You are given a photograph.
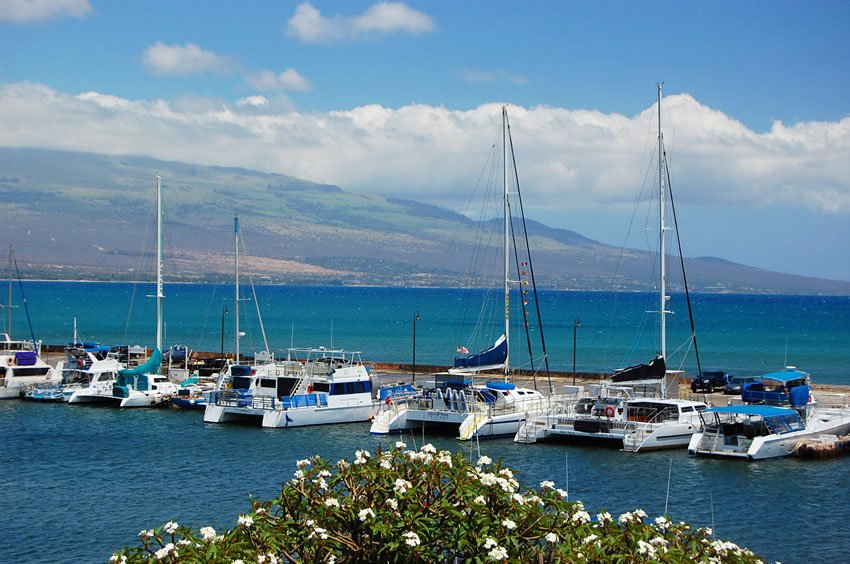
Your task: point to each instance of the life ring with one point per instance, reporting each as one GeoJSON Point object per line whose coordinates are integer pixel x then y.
{"type": "Point", "coordinates": [609, 411]}
{"type": "Point", "coordinates": [309, 388]}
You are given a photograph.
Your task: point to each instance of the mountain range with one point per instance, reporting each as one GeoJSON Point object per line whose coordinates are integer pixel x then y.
{"type": "Point", "coordinates": [90, 216]}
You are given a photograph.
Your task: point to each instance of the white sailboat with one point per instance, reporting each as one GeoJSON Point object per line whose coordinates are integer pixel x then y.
{"type": "Point", "coordinates": [455, 402]}
{"type": "Point", "coordinates": [21, 366]}
{"type": "Point", "coordinates": [618, 416]}
{"type": "Point", "coordinates": [144, 385]}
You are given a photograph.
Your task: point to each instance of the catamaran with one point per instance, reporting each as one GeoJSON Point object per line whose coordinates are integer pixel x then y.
{"type": "Point", "coordinates": [620, 416]}
{"type": "Point", "coordinates": [454, 401]}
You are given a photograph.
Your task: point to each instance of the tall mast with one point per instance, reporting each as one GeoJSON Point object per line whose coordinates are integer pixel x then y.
{"type": "Point", "coordinates": [661, 234]}
{"type": "Point", "coordinates": [159, 294]}
{"type": "Point", "coordinates": [9, 302]}
{"type": "Point", "coordinates": [236, 264]}
{"type": "Point", "coordinates": [507, 235]}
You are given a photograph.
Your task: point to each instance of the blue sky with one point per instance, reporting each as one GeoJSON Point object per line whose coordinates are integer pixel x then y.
{"type": "Point", "coordinates": [401, 100]}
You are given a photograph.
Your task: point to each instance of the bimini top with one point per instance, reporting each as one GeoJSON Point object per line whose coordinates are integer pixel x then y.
{"type": "Point", "coordinates": [785, 375]}
{"type": "Point", "coordinates": [763, 410]}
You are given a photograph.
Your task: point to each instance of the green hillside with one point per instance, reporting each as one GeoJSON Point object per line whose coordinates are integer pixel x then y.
{"type": "Point", "coordinates": [79, 215]}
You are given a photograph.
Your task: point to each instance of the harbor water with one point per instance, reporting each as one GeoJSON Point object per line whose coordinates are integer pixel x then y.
{"type": "Point", "coordinates": [81, 482]}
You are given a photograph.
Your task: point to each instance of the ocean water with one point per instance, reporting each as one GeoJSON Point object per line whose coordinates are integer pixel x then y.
{"type": "Point", "coordinates": [743, 334]}
{"type": "Point", "coordinates": [80, 482]}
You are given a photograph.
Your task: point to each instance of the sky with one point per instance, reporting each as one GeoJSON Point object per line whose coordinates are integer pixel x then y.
{"type": "Point", "coordinates": [403, 99]}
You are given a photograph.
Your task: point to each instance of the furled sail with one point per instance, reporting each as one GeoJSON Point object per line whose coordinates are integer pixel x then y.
{"type": "Point", "coordinates": [490, 359]}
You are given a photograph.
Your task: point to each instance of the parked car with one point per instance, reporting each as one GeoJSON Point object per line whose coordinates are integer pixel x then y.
{"type": "Point", "coordinates": [734, 385]}
{"type": "Point", "coordinates": [708, 381]}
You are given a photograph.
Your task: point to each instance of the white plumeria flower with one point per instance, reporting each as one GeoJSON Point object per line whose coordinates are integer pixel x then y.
{"type": "Point", "coordinates": [604, 517]}
{"type": "Point", "coordinates": [429, 448]}
{"type": "Point", "coordinates": [165, 551]}
{"type": "Point", "coordinates": [393, 504]}
{"type": "Point", "coordinates": [361, 456]}
{"type": "Point", "coordinates": [245, 521]}
{"type": "Point", "coordinates": [590, 538]}
{"type": "Point", "coordinates": [411, 539]}
{"type": "Point", "coordinates": [506, 472]}
{"type": "Point", "coordinates": [303, 463]}
{"type": "Point", "coordinates": [484, 461]}
{"type": "Point", "coordinates": [146, 533]}
{"type": "Point", "coordinates": [547, 484]}
{"type": "Point", "coordinates": [479, 500]}
{"type": "Point", "coordinates": [207, 533]}
{"type": "Point", "coordinates": [508, 524]}
{"type": "Point", "coordinates": [331, 502]}
{"type": "Point", "coordinates": [551, 537]}
{"type": "Point", "coordinates": [563, 493]}
{"type": "Point", "coordinates": [170, 527]}
{"type": "Point", "coordinates": [365, 514]}
{"type": "Point", "coordinates": [401, 486]}
{"type": "Point", "coordinates": [400, 444]}
{"type": "Point", "coordinates": [386, 464]}
{"type": "Point", "coordinates": [518, 499]}
{"type": "Point", "coordinates": [497, 553]}
{"type": "Point", "coordinates": [580, 517]}
{"type": "Point", "coordinates": [490, 543]}
{"type": "Point", "coordinates": [118, 559]}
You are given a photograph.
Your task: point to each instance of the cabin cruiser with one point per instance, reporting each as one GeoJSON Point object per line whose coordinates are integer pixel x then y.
{"type": "Point", "coordinates": [779, 413]}
{"type": "Point", "coordinates": [314, 386]}
{"type": "Point", "coordinates": [88, 368]}
{"type": "Point", "coordinates": [21, 367]}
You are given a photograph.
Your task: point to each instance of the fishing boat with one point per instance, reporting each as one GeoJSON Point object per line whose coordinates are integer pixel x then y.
{"type": "Point", "coordinates": [314, 386]}
{"type": "Point", "coordinates": [21, 365]}
{"type": "Point", "coordinates": [779, 413]}
{"type": "Point", "coordinates": [650, 415]}
{"type": "Point", "coordinates": [493, 406]}
{"type": "Point", "coordinates": [89, 373]}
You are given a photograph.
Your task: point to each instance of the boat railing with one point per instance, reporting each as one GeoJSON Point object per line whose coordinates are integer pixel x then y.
{"type": "Point", "coordinates": [833, 400]}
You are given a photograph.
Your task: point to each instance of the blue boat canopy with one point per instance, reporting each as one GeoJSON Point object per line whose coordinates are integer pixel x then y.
{"type": "Point", "coordinates": [763, 410]}
{"type": "Point", "coordinates": [500, 386]}
{"type": "Point", "coordinates": [785, 375]}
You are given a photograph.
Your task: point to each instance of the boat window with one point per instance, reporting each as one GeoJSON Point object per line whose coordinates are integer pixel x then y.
{"type": "Point", "coordinates": [267, 383]}
{"type": "Point", "coordinates": [687, 409]}
{"type": "Point", "coordinates": [359, 387]}
{"type": "Point", "coordinates": [241, 382]}
{"type": "Point", "coordinates": [321, 387]}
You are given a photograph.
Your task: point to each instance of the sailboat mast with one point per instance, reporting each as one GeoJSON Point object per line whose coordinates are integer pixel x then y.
{"type": "Point", "coordinates": [159, 294]}
{"type": "Point", "coordinates": [506, 237]}
{"type": "Point", "coordinates": [9, 302]}
{"type": "Point", "coordinates": [236, 264]}
{"type": "Point", "coordinates": [661, 235]}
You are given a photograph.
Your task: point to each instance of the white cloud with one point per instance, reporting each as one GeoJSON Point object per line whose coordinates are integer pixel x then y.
{"type": "Point", "coordinates": [310, 26]}
{"type": "Point", "coordinates": [290, 79]}
{"type": "Point", "coordinates": [183, 59]}
{"type": "Point", "coordinates": [253, 101]}
{"type": "Point", "coordinates": [568, 159]}
{"type": "Point", "coordinates": [28, 11]}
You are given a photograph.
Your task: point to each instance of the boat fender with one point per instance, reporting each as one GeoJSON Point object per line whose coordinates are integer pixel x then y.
{"type": "Point", "coordinates": [309, 388]}
{"type": "Point", "coordinates": [10, 361]}
{"type": "Point", "coordinates": [609, 411]}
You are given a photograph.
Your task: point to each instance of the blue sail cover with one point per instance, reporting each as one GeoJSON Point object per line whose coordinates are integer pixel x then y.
{"type": "Point", "coordinates": [494, 357]}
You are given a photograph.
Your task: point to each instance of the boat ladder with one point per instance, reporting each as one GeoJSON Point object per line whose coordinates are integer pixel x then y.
{"type": "Point", "coordinates": [709, 441]}
{"type": "Point", "coordinates": [633, 440]}
{"type": "Point", "coordinates": [470, 426]}
{"type": "Point", "coordinates": [527, 432]}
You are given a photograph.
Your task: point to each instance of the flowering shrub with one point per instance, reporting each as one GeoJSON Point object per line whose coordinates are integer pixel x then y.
{"type": "Point", "coordinates": [427, 506]}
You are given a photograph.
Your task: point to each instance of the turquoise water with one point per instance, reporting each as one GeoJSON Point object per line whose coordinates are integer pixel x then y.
{"type": "Point", "coordinates": [740, 333]}
{"type": "Point", "coordinates": [80, 482]}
